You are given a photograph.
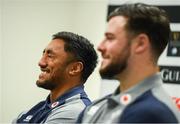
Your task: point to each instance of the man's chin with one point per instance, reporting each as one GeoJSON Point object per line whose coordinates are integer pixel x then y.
{"type": "Point", "coordinates": [48, 85]}
{"type": "Point", "coordinates": [41, 84]}
{"type": "Point", "coordinates": [106, 75]}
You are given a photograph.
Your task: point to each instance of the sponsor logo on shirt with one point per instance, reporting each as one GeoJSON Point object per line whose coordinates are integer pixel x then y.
{"type": "Point", "coordinates": [28, 118]}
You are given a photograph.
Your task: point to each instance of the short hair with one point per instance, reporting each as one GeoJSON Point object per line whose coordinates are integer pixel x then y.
{"type": "Point", "coordinates": [82, 50]}
{"type": "Point", "coordinates": [148, 19]}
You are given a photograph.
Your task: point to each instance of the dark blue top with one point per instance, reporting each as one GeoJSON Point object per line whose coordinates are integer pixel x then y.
{"type": "Point", "coordinates": [148, 109]}
{"type": "Point", "coordinates": [40, 112]}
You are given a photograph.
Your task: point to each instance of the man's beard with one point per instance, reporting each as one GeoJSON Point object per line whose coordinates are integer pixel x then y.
{"type": "Point", "coordinates": [48, 85]}
{"type": "Point", "coordinates": [112, 70]}
{"type": "Point", "coordinates": [117, 66]}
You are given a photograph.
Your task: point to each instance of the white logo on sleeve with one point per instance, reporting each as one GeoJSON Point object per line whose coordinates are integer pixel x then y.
{"type": "Point", "coordinates": [28, 118]}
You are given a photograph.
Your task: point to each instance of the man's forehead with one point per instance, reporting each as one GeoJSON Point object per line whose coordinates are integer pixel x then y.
{"type": "Point", "coordinates": [117, 21]}
{"type": "Point", "coordinates": [115, 24]}
{"type": "Point", "coordinates": [55, 45]}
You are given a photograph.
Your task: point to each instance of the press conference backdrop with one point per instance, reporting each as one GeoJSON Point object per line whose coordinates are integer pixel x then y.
{"type": "Point", "coordinates": [169, 61]}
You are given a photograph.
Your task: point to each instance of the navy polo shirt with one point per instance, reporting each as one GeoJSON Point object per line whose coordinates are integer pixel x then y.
{"type": "Point", "coordinates": [67, 102]}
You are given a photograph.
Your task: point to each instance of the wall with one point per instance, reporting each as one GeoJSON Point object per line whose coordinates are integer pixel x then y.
{"type": "Point", "coordinates": [27, 28]}
{"type": "Point", "coordinates": [0, 61]}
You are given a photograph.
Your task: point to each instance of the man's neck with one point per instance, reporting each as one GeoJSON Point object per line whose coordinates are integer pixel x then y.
{"type": "Point", "coordinates": [56, 93]}
{"type": "Point", "coordinates": [63, 88]}
{"type": "Point", "coordinates": [133, 77]}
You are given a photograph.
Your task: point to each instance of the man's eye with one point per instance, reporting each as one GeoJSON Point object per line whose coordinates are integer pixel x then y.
{"type": "Point", "coordinates": [109, 38]}
{"type": "Point", "coordinates": [50, 55]}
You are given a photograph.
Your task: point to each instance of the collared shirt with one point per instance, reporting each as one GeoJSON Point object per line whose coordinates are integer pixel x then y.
{"type": "Point", "coordinates": [147, 102]}
{"type": "Point", "coordinates": [64, 110]}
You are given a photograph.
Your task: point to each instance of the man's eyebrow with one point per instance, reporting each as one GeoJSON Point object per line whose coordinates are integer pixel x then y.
{"type": "Point", "coordinates": [48, 51]}
{"type": "Point", "coordinates": [107, 34]}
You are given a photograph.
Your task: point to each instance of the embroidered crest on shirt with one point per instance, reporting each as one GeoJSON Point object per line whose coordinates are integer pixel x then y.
{"type": "Point", "coordinates": [54, 104]}
{"type": "Point", "coordinates": [125, 99]}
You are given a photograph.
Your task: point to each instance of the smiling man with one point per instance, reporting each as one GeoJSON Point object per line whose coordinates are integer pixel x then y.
{"type": "Point", "coordinates": [66, 63]}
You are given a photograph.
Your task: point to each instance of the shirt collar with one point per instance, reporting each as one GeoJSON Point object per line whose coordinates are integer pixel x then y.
{"type": "Point", "coordinates": [72, 92]}
{"type": "Point", "coordinates": [137, 90]}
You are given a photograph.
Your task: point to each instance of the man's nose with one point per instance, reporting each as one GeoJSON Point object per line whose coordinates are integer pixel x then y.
{"type": "Point", "coordinates": [42, 62]}
{"type": "Point", "coordinates": [100, 47]}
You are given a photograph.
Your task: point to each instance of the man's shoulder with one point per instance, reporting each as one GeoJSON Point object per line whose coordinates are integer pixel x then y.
{"type": "Point", "coordinates": [69, 111]}
{"type": "Point", "coordinates": [66, 113]}
{"type": "Point", "coordinates": [89, 111]}
{"type": "Point", "coordinates": [148, 108]}
{"type": "Point", "coordinates": [97, 104]}
{"type": "Point", "coordinates": [147, 101]}
{"type": "Point", "coordinates": [100, 101]}
{"type": "Point", "coordinates": [75, 102]}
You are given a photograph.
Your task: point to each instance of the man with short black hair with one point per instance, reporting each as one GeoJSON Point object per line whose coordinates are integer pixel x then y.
{"type": "Point", "coordinates": [66, 63]}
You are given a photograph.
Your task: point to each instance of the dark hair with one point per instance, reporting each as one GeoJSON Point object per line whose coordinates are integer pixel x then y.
{"type": "Point", "coordinates": [82, 50]}
{"type": "Point", "coordinates": [146, 19]}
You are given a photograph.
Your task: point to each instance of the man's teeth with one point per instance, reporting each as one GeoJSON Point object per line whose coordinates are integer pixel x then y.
{"type": "Point", "coordinates": [43, 72]}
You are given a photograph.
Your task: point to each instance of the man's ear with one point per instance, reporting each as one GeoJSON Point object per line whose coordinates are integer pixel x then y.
{"type": "Point", "coordinates": [75, 68]}
{"type": "Point", "coordinates": [141, 44]}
